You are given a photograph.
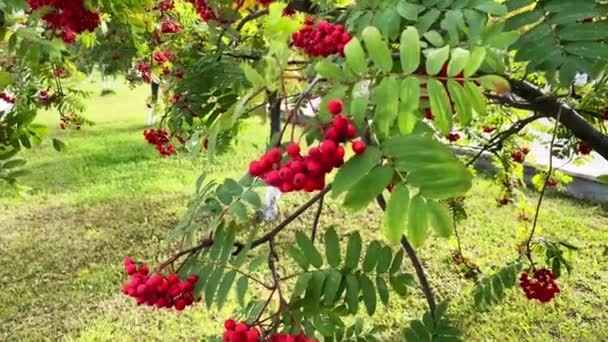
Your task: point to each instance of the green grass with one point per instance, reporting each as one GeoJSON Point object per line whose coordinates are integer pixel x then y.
{"type": "Point", "coordinates": [110, 195]}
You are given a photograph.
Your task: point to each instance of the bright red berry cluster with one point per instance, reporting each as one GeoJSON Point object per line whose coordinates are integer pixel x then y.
{"type": "Point", "coordinates": [322, 39]}
{"type": "Point", "coordinates": [552, 183]}
{"type": "Point", "coordinates": [169, 26]}
{"type": "Point", "coordinates": [291, 338]}
{"type": "Point", "coordinates": [162, 57]}
{"type": "Point", "coordinates": [166, 5]}
{"type": "Point", "coordinates": [541, 285]}
{"type": "Point", "coordinates": [157, 290]}
{"type": "Point", "coordinates": [584, 149]}
{"type": "Point", "coordinates": [160, 138]}
{"type": "Point", "coordinates": [7, 98]}
{"type": "Point", "coordinates": [453, 137]}
{"type": "Point", "coordinates": [307, 172]}
{"type": "Point", "coordinates": [519, 156]}
{"type": "Point", "coordinates": [206, 13]}
{"type": "Point", "coordinates": [240, 332]}
{"type": "Point", "coordinates": [69, 17]}
{"type": "Point", "coordinates": [145, 72]}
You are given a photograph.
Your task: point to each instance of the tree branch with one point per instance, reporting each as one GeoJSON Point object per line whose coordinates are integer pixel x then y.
{"type": "Point", "coordinates": [569, 117]}
{"type": "Point", "coordinates": [424, 283]}
{"type": "Point", "coordinates": [315, 223]}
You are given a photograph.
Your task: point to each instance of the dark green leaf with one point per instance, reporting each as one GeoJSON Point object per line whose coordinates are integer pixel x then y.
{"type": "Point", "coordinates": [211, 286]}
{"type": "Point", "coordinates": [385, 257]}
{"type": "Point", "coordinates": [382, 288]}
{"type": "Point", "coordinates": [366, 190]}
{"type": "Point", "coordinates": [299, 257]}
{"type": "Point", "coordinates": [309, 249]}
{"type": "Point", "coordinates": [355, 169]}
{"type": "Point", "coordinates": [397, 260]}
{"type": "Point", "coordinates": [353, 251]}
{"type": "Point", "coordinates": [371, 256]}
{"type": "Point", "coordinates": [352, 292]}
{"type": "Point", "coordinates": [224, 288]}
{"type": "Point", "coordinates": [332, 285]}
{"type": "Point", "coordinates": [417, 221]}
{"type": "Point", "coordinates": [332, 248]}
{"type": "Point", "coordinates": [241, 289]}
{"type": "Point", "coordinates": [369, 294]}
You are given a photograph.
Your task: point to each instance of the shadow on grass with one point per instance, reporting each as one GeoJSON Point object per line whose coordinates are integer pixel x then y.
{"type": "Point", "coordinates": [59, 263]}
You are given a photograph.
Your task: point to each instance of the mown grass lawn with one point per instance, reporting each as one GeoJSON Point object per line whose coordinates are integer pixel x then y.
{"type": "Point", "coordinates": [110, 195]}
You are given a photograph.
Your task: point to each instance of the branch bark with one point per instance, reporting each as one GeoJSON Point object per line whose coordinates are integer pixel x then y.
{"type": "Point", "coordinates": [570, 118]}
{"type": "Point", "coordinates": [409, 250]}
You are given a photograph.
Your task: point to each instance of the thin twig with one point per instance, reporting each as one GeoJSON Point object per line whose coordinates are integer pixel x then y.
{"type": "Point", "coordinates": [315, 223]}
{"type": "Point", "coordinates": [543, 190]}
{"type": "Point", "coordinates": [297, 105]}
{"type": "Point", "coordinates": [424, 283]}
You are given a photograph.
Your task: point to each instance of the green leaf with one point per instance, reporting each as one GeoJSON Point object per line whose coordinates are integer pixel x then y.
{"type": "Point", "coordinates": [369, 294]}
{"type": "Point", "coordinates": [434, 38]}
{"type": "Point", "coordinates": [397, 260]}
{"type": "Point", "coordinates": [309, 249]}
{"type": "Point", "coordinates": [332, 248]}
{"type": "Point", "coordinates": [415, 151]}
{"type": "Point", "coordinates": [224, 288]}
{"type": "Point", "coordinates": [395, 217]}
{"type": "Point", "coordinates": [440, 219]}
{"type": "Point", "coordinates": [332, 285]}
{"type": "Point", "coordinates": [460, 58]}
{"type": "Point", "coordinates": [300, 286]}
{"type": "Point", "coordinates": [8, 154]}
{"type": "Point", "coordinates": [477, 57]}
{"type": "Point", "coordinates": [239, 210]}
{"type": "Point", "coordinates": [409, 11]}
{"type": "Point", "coordinates": [241, 289]}
{"type": "Point", "coordinates": [330, 70]}
{"type": "Point", "coordinates": [359, 102]}
{"type": "Point", "coordinates": [410, 50]}
{"type": "Point", "coordinates": [314, 291]}
{"type": "Point", "coordinates": [58, 145]}
{"type": "Point", "coordinates": [371, 256]}
{"type": "Point", "coordinates": [409, 94]}
{"type": "Point", "coordinates": [492, 8]}
{"type": "Point", "coordinates": [591, 50]}
{"type": "Point", "coordinates": [494, 83]}
{"type": "Point", "coordinates": [382, 288]}
{"type": "Point", "coordinates": [386, 98]}
{"type": "Point", "coordinates": [252, 198]}
{"type": "Point", "coordinates": [5, 79]}
{"type": "Point", "coordinates": [377, 49]}
{"type": "Point", "coordinates": [463, 109]}
{"type": "Point", "coordinates": [400, 283]}
{"type": "Point", "coordinates": [440, 105]}
{"type": "Point", "coordinates": [254, 77]}
{"type": "Point", "coordinates": [299, 257]}
{"type": "Point", "coordinates": [11, 164]}
{"type": "Point", "coordinates": [211, 286]}
{"type": "Point", "coordinates": [353, 251]}
{"type": "Point", "coordinates": [435, 59]}
{"type": "Point", "coordinates": [385, 255]}
{"type": "Point", "coordinates": [603, 178]}
{"type": "Point", "coordinates": [355, 169]}
{"type": "Point", "coordinates": [441, 181]}
{"type": "Point", "coordinates": [352, 293]}
{"type": "Point", "coordinates": [475, 97]}
{"type": "Point", "coordinates": [583, 32]}
{"type": "Point", "coordinates": [355, 56]}
{"type": "Point", "coordinates": [523, 19]}
{"type": "Point", "coordinates": [366, 190]}
{"type": "Point", "coordinates": [417, 221]}
{"type": "Point", "coordinates": [427, 20]}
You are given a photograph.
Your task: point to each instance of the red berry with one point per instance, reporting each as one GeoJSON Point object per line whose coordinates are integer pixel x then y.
{"type": "Point", "coordinates": [552, 183]}
{"type": "Point", "coordinates": [230, 324]}
{"type": "Point", "coordinates": [314, 168]}
{"type": "Point", "coordinates": [143, 269]}
{"type": "Point", "coordinates": [180, 305]}
{"type": "Point", "coordinates": [358, 147]}
{"type": "Point", "coordinates": [314, 153]}
{"type": "Point", "coordinates": [525, 150]}
{"type": "Point", "coordinates": [293, 150]}
{"type": "Point", "coordinates": [296, 166]}
{"type": "Point", "coordinates": [335, 106]}
{"type": "Point", "coordinates": [299, 181]}
{"type": "Point", "coordinates": [453, 137]}
{"type": "Point", "coordinates": [341, 123]}
{"type": "Point", "coordinates": [274, 155]}
{"type": "Point", "coordinates": [332, 134]}
{"type": "Point", "coordinates": [518, 156]}
{"type": "Point", "coordinates": [272, 178]}
{"type": "Point", "coordinates": [286, 187]}
{"type": "Point", "coordinates": [253, 335]}
{"type": "Point", "coordinates": [172, 279]}
{"type": "Point", "coordinates": [131, 269]}
{"type": "Point", "coordinates": [489, 129]}
{"type": "Point", "coordinates": [329, 147]}
{"type": "Point", "coordinates": [351, 132]}
{"type": "Point", "coordinates": [286, 174]}
{"type": "Point", "coordinates": [228, 336]}
{"type": "Point", "coordinates": [240, 328]}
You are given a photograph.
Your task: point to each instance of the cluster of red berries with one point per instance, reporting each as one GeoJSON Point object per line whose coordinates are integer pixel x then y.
{"type": "Point", "coordinates": [291, 338]}
{"type": "Point", "coordinates": [240, 332]}
{"type": "Point", "coordinates": [7, 98]}
{"type": "Point", "coordinates": [166, 6]}
{"type": "Point", "coordinates": [62, 72]}
{"type": "Point", "coordinates": [206, 13]}
{"type": "Point", "coordinates": [584, 148]}
{"type": "Point", "coordinates": [70, 17]}
{"type": "Point", "coordinates": [552, 183]}
{"type": "Point", "coordinates": [307, 172]}
{"type": "Point", "coordinates": [519, 156]}
{"type": "Point", "coordinates": [160, 139]}
{"type": "Point", "coordinates": [453, 137]}
{"type": "Point", "coordinates": [145, 72]}
{"type": "Point", "coordinates": [162, 57]}
{"type": "Point", "coordinates": [71, 121]}
{"type": "Point", "coordinates": [541, 285]}
{"type": "Point", "coordinates": [322, 39]}
{"type": "Point", "coordinates": [169, 26]}
{"type": "Point", "coordinates": [157, 290]}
